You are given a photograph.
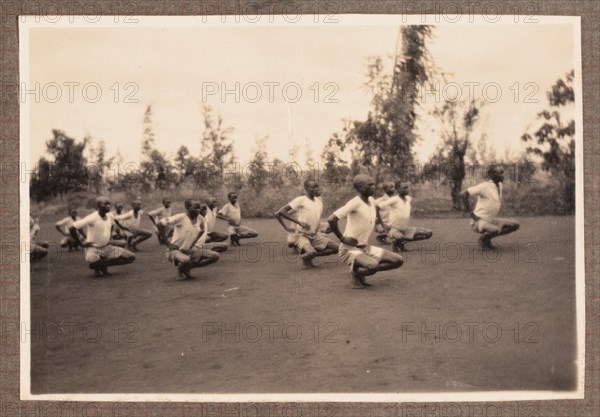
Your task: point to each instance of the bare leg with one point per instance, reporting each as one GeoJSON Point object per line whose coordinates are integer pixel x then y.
{"type": "Point", "coordinates": [364, 266]}
{"type": "Point", "coordinates": [139, 237]}
{"type": "Point", "coordinates": [390, 261]}
{"type": "Point", "coordinates": [217, 237]}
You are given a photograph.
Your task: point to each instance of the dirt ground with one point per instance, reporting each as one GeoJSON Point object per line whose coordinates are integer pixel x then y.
{"type": "Point", "coordinates": [451, 319]}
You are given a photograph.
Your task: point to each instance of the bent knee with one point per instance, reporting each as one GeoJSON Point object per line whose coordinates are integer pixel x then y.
{"type": "Point", "coordinates": [397, 260]}
{"type": "Point", "coordinates": [370, 265]}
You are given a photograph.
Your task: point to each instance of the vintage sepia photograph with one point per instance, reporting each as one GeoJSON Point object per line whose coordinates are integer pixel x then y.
{"type": "Point", "coordinates": [301, 208]}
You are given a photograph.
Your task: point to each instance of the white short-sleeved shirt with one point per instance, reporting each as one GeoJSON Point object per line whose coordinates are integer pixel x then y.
{"type": "Point", "coordinates": [308, 211]}
{"type": "Point", "coordinates": [66, 223]}
{"type": "Point", "coordinates": [204, 225]}
{"type": "Point", "coordinates": [232, 212]}
{"type": "Point", "coordinates": [489, 199]}
{"type": "Point", "coordinates": [211, 219]}
{"type": "Point", "coordinates": [160, 213]}
{"type": "Point", "coordinates": [184, 231]}
{"type": "Point", "coordinates": [398, 210]}
{"type": "Point", "coordinates": [34, 227]}
{"type": "Point", "coordinates": [384, 212]}
{"type": "Point", "coordinates": [361, 218]}
{"type": "Point", "coordinates": [98, 229]}
{"type": "Point", "coordinates": [129, 219]}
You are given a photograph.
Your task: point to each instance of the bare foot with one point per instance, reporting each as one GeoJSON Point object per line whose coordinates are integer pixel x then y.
{"type": "Point", "coordinates": [363, 281]}
{"type": "Point", "coordinates": [356, 282]}
{"type": "Point", "coordinates": [183, 272]}
{"type": "Point", "coordinates": [308, 264]}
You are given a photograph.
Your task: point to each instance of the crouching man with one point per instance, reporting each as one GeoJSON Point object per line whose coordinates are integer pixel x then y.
{"type": "Point", "coordinates": [99, 252]}
{"type": "Point", "coordinates": [187, 230]}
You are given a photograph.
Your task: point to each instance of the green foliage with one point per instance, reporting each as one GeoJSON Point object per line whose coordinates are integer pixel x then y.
{"type": "Point", "coordinates": [257, 172]}
{"type": "Point", "coordinates": [382, 144]}
{"type": "Point", "coordinates": [457, 120]}
{"type": "Point", "coordinates": [156, 171]}
{"type": "Point", "coordinates": [554, 141]}
{"type": "Point", "coordinates": [217, 148]}
{"type": "Point", "coordinates": [65, 173]}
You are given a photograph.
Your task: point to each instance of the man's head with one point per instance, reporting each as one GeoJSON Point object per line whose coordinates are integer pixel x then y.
{"type": "Point", "coordinates": [193, 207]}
{"type": "Point", "coordinates": [364, 184]}
{"type": "Point", "coordinates": [212, 202]}
{"type": "Point", "coordinates": [403, 188]}
{"type": "Point", "coordinates": [73, 213]}
{"type": "Point", "coordinates": [136, 204]}
{"type": "Point", "coordinates": [118, 207]}
{"type": "Point", "coordinates": [166, 202]}
{"type": "Point", "coordinates": [103, 204]}
{"type": "Point", "coordinates": [232, 196]}
{"type": "Point", "coordinates": [312, 188]}
{"type": "Point", "coordinates": [203, 209]}
{"type": "Point", "coordinates": [496, 173]}
{"type": "Point", "coordinates": [388, 187]}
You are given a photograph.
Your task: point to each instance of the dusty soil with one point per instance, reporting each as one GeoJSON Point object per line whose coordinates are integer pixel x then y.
{"type": "Point", "coordinates": [451, 319]}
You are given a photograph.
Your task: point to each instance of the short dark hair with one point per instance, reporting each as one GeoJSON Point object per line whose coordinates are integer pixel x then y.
{"type": "Point", "coordinates": [491, 169]}
{"type": "Point", "coordinates": [308, 181]}
{"type": "Point", "coordinates": [231, 193]}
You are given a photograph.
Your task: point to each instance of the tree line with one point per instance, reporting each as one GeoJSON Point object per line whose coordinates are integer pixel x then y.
{"type": "Point", "coordinates": [381, 144]}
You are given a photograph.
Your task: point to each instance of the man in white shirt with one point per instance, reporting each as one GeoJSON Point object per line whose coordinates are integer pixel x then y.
{"type": "Point", "coordinates": [384, 213]}
{"type": "Point", "coordinates": [489, 200]}
{"type": "Point", "coordinates": [204, 242]}
{"type": "Point", "coordinates": [63, 226]}
{"type": "Point", "coordinates": [232, 214]}
{"type": "Point", "coordinates": [361, 211]}
{"type": "Point", "coordinates": [99, 253]}
{"type": "Point", "coordinates": [159, 214]}
{"type": "Point", "coordinates": [187, 229]}
{"type": "Point", "coordinates": [397, 208]}
{"type": "Point", "coordinates": [38, 250]}
{"type": "Point", "coordinates": [307, 239]}
{"type": "Point", "coordinates": [130, 222]}
{"type": "Point", "coordinates": [211, 220]}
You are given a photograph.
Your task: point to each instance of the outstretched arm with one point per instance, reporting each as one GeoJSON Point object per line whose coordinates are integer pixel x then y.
{"type": "Point", "coordinates": [60, 230]}
{"type": "Point", "coordinates": [75, 236]}
{"type": "Point", "coordinates": [160, 226]}
{"type": "Point", "coordinates": [465, 199]}
{"type": "Point", "coordinates": [121, 226]}
{"type": "Point", "coordinates": [379, 219]}
{"type": "Point", "coordinates": [284, 213]}
{"type": "Point", "coordinates": [152, 219]}
{"type": "Point", "coordinates": [334, 226]}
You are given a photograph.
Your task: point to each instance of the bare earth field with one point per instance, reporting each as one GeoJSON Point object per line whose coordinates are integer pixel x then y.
{"type": "Point", "coordinates": [451, 319]}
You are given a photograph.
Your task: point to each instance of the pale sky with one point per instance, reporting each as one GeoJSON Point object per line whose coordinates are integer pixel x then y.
{"type": "Point", "coordinates": [171, 66]}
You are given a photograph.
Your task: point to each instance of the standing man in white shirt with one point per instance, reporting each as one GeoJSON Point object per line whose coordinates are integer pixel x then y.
{"type": "Point", "coordinates": [187, 229]}
{"type": "Point", "coordinates": [362, 213]}
{"type": "Point", "coordinates": [159, 214]}
{"type": "Point", "coordinates": [99, 253]}
{"type": "Point", "coordinates": [307, 239]}
{"type": "Point", "coordinates": [232, 214]}
{"type": "Point", "coordinates": [489, 200]}
{"type": "Point", "coordinates": [130, 222]}
{"type": "Point", "coordinates": [397, 208]}
{"type": "Point", "coordinates": [211, 220]}
{"type": "Point", "coordinates": [63, 226]}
